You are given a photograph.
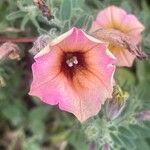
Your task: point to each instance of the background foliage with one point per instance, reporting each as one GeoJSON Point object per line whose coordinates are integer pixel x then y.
{"type": "Point", "coordinates": [27, 124]}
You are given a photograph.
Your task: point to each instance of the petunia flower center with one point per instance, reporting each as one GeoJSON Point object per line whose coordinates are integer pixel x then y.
{"type": "Point", "coordinates": [72, 62]}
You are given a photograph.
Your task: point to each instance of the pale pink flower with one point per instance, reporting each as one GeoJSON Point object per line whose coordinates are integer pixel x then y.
{"type": "Point", "coordinates": [115, 18]}
{"type": "Point", "coordinates": [74, 71]}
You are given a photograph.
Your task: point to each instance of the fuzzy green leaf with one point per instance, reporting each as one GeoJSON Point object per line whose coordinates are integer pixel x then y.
{"type": "Point", "coordinates": [66, 27]}
{"type": "Point", "coordinates": [16, 113]}
{"type": "Point", "coordinates": [78, 140]}
{"type": "Point", "coordinates": [81, 22]}
{"type": "Point", "coordinates": [89, 23]}
{"type": "Point", "coordinates": [115, 139]}
{"type": "Point", "coordinates": [127, 132]}
{"type": "Point", "coordinates": [140, 131]}
{"type": "Point", "coordinates": [59, 137]}
{"type": "Point", "coordinates": [125, 77]}
{"type": "Point", "coordinates": [127, 142]}
{"type": "Point", "coordinates": [36, 119]}
{"type": "Point", "coordinates": [15, 15]}
{"type": "Point", "coordinates": [141, 144]}
{"type": "Point", "coordinates": [65, 10]}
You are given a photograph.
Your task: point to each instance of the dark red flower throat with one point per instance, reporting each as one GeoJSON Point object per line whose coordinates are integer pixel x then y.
{"type": "Point", "coordinates": [72, 62]}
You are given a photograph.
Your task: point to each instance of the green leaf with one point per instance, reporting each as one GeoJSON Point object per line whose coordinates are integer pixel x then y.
{"type": "Point", "coordinates": [127, 142]}
{"type": "Point", "coordinates": [115, 139]}
{"type": "Point", "coordinates": [145, 93]}
{"type": "Point", "coordinates": [77, 3]}
{"type": "Point", "coordinates": [74, 3]}
{"type": "Point", "coordinates": [140, 70]}
{"type": "Point", "coordinates": [78, 140]}
{"type": "Point", "coordinates": [16, 113]}
{"type": "Point", "coordinates": [139, 131]}
{"type": "Point", "coordinates": [65, 10]}
{"type": "Point", "coordinates": [146, 124]}
{"type": "Point", "coordinates": [41, 31]}
{"type": "Point", "coordinates": [36, 119]}
{"type": "Point", "coordinates": [59, 137]}
{"type": "Point", "coordinates": [66, 26]}
{"type": "Point", "coordinates": [89, 23]}
{"type": "Point", "coordinates": [126, 132]}
{"type": "Point", "coordinates": [114, 2]}
{"type": "Point", "coordinates": [141, 144]}
{"type": "Point", "coordinates": [35, 23]}
{"type": "Point", "coordinates": [3, 26]}
{"type": "Point", "coordinates": [24, 22]}
{"type": "Point", "coordinates": [15, 15]}
{"type": "Point", "coordinates": [37, 127]}
{"type": "Point", "coordinates": [81, 22]}
{"type": "Point", "coordinates": [125, 77]}
{"type": "Point", "coordinates": [31, 144]}
{"type": "Point", "coordinates": [39, 113]}
{"type": "Point", "coordinates": [125, 5]}
{"type": "Point", "coordinates": [94, 4]}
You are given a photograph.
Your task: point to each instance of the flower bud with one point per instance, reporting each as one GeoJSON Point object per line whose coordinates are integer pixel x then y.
{"type": "Point", "coordinates": [116, 104]}
{"type": "Point", "coordinates": [106, 146]}
{"type": "Point", "coordinates": [144, 115]}
{"type": "Point", "coordinates": [91, 146]}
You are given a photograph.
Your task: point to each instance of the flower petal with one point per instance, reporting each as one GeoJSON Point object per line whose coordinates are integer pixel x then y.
{"type": "Point", "coordinates": [46, 68]}
{"type": "Point", "coordinates": [95, 26]}
{"type": "Point", "coordinates": [75, 40]}
{"type": "Point", "coordinates": [102, 66]}
{"type": "Point", "coordinates": [124, 57]}
{"type": "Point", "coordinates": [110, 17]}
{"type": "Point", "coordinates": [82, 98]}
{"type": "Point", "coordinates": [116, 18]}
{"type": "Point", "coordinates": [131, 24]}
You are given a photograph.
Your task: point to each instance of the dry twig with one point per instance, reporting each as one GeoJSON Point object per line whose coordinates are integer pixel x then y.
{"type": "Point", "coordinates": [44, 8]}
{"type": "Point", "coordinates": [121, 40]}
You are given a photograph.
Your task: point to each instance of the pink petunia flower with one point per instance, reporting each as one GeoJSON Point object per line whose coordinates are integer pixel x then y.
{"type": "Point", "coordinates": [74, 71]}
{"type": "Point", "coordinates": [115, 18]}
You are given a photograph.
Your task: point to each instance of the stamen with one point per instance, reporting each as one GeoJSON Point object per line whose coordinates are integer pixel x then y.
{"type": "Point", "coordinates": [70, 62]}
{"type": "Point", "coordinates": [75, 60]}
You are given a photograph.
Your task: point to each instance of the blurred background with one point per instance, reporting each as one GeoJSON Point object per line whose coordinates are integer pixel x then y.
{"type": "Point", "coordinates": [28, 124]}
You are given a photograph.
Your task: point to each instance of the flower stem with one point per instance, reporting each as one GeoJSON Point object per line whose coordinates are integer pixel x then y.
{"type": "Point", "coordinates": [17, 40]}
